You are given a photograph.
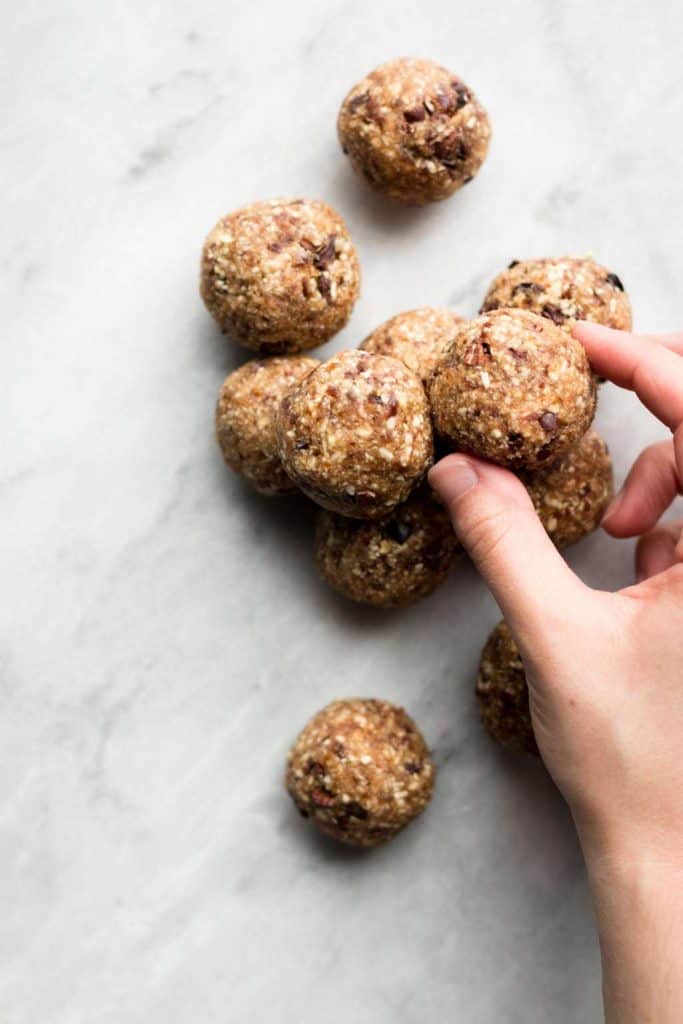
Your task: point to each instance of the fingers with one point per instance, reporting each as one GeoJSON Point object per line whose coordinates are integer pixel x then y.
{"type": "Point", "coordinates": [495, 520]}
{"type": "Point", "coordinates": [674, 342]}
{"type": "Point", "coordinates": [650, 368]}
{"type": "Point", "coordinates": [648, 491]}
{"type": "Point", "coordinates": [658, 550]}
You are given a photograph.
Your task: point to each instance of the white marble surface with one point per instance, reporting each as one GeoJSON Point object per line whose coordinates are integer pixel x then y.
{"type": "Point", "coordinates": [163, 633]}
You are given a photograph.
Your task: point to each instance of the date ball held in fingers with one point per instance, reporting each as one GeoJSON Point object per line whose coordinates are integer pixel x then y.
{"type": "Point", "coordinates": [513, 388]}
{"type": "Point", "coordinates": [361, 771]}
{"type": "Point", "coordinates": [281, 275]}
{"type": "Point", "coordinates": [414, 130]}
{"type": "Point", "coordinates": [245, 419]}
{"type": "Point", "coordinates": [503, 695]}
{"type": "Point", "coordinates": [355, 434]}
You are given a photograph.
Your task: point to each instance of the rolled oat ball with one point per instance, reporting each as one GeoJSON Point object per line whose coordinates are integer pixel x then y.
{"type": "Point", "coordinates": [355, 434]}
{"type": "Point", "coordinates": [414, 130]}
{"type": "Point", "coordinates": [503, 695]}
{"type": "Point", "coordinates": [572, 495]}
{"type": "Point", "coordinates": [361, 771]}
{"type": "Point", "coordinates": [281, 275]}
{"type": "Point", "coordinates": [564, 290]}
{"type": "Point", "coordinates": [393, 561]}
{"type": "Point", "coordinates": [245, 419]}
{"type": "Point", "coordinates": [513, 388]}
{"type": "Point", "coordinates": [419, 338]}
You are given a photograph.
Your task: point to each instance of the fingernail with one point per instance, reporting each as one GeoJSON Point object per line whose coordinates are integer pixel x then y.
{"type": "Point", "coordinates": [612, 507]}
{"type": "Point", "coordinates": [453, 478]}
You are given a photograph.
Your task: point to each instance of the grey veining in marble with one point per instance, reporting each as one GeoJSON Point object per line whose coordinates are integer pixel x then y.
{"type": "Point", "coordinates": [163, 633]}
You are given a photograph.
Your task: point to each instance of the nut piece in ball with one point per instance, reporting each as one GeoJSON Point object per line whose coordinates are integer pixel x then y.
{"type": "Point", "coordinates": [280, 276]}
{"type": "Point", "coordinates": [361, 771]}
{"type": "Point", "coordinates": [513, 388]}
{"type": "Point", "coordinates": [245, 419]}
{"type": "Point", "coordinates": [414, 130]}
{"type": "Point", "coordinates": [564, 290]}
{"type": "Point", "coordinates": [572, 495]}
{"type": "Point", "coordinates": [503, 695]}
{"type": "Point", "coordinates": [392, 562]}
{"type": "Point", "coordinates": [355, 435]}
{"type": "Point", "coordinates": [419, 338]}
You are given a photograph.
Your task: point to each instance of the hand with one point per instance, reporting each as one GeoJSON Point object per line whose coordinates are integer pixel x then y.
{"type": "Point", "coordinates": [605, 675]}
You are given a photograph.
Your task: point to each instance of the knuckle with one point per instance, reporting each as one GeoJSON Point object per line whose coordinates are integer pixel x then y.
{"type": "Point", "coordinates": [484, 531]}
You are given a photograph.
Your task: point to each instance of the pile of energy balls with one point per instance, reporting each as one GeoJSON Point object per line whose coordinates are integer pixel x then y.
{"type": "Point", "coordinates": [357, 433]}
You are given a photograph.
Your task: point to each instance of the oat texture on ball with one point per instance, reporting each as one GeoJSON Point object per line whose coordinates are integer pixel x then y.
{"type": "Point", "coordinates": [564, 290]}
{"type": "Point", "coordinates": [361, 771]}
{"type": "Point", "coordinates": [419, 338]}
{"type": "Point", "coordinates": [571, 496]}
{"type": "Point", "coordinates": [355, 434]}
{"type": "Point", "coordinates": [513, 388]}
{"type": "Point", "coordinates": [280, 276]}
{"type": "Point", "coordinates": [391, 562]}
{"type": "Point", "coordinates": [245, 419]}
{"type": "Point", "coordinates": [503, 695]}
{"type": "Point", "coordinates": [414, 130]}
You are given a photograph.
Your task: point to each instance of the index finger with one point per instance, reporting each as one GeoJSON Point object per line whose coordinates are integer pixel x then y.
{"type": "Point", "coordinates": [652, 368]}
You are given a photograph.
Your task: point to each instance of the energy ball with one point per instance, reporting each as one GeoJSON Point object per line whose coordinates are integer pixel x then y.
{"type": "Point", "coordinates": [414, 130]}
{"type": "Point", "coordinates": [503, 695]}
{"type": "Point", "coordinates": [563, 290]}
{"type": "Point", "coordinates": [355, 434]}
{"type": "Point", "coordinates": [572, 495]}
{"type": "Point", "coordinates": [513, 388]}
{"type": "Point", "coordinates": [391, 562]}
{"type": "Point", "coordinates": [245, 419]}
{"type": "Point", "coordinates": [361, 771]}
{"type": "Point", "coordinates": [418, 338]}
{"type": "Point", "coordinates": [280, 276]}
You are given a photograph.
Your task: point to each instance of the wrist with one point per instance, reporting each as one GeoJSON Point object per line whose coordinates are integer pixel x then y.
{"type": "Point", "coordinates": [620, 852]}
{"type": "Point", "coordinates": [637, 887]}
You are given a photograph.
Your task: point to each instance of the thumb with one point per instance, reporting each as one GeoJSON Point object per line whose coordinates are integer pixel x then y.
{"type": "Point", "coordinates": [495, 520]}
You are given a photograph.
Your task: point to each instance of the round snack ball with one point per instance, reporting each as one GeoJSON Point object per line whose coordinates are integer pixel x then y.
{"type": "Point", "coordinates": [280, 276]}
{"type": "Point", "coordinates": [414, 130]}
{"type": "Point", "coordinates": [503, 695]}
{"type": "Point", "coordinates": [245, 419]}
{"type": "Point", "coordinates": [564, 290]}
{"type": "Point", "coordinates": [418, 338]}
{"type": "Point", "coordinates": [513, 388]}
{"type": "Point", "coordinates": [355, 435]}
{"type": "Point", "coordinates": [572, 495]}
{"type": "Point", "coordinates": [391, 562]}
{"type": "Point", "coordinates": [361, 771]}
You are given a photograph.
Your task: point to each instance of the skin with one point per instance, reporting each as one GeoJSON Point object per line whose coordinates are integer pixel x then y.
{"type": "Point", "coordinates": [608, 720]}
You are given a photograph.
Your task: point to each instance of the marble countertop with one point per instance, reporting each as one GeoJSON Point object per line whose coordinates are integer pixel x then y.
{"type": "Point", "coordinates": [164, 635]}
